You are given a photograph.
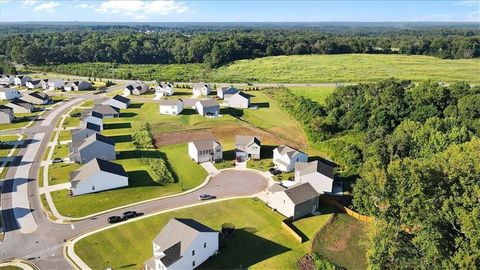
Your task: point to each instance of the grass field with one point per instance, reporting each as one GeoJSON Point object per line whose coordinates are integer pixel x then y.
{"type": "Point", "coordinates": [258, 243]}
{"type": "Point", "coordinates": [348, 68]}
{"type": "Point", "coordinates": [315, 93]}
{"type": "Point", "coordinates": [59, 173]}
{"type": "Point", "coordinates": [141, 185]}
{"type": "Point", "coordinates": [343, 242]}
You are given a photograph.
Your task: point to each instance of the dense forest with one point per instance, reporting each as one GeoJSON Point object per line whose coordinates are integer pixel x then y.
{"type": "Point", "coordinates": [417, 166]}
{"type": "Point", "coordinates": [216, 46]}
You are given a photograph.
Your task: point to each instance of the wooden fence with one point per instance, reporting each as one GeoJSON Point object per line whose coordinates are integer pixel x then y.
{"type": "Point", "coordinates": [286, 224]}
{"type": "Point", "coordinates": [332, 202]}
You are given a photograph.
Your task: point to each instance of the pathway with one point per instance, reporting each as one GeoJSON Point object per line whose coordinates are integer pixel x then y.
{"type": "Point", "coordinates": [53, 188]}
{"type": "Point", "coordinates": [210, 168]}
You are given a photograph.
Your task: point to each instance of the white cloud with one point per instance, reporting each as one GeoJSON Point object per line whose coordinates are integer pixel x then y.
{"type": "Point", "coordinates": [85, 5]}
{"type": "Point", "coordinates": [29, 2]}
{"type": "Point", "coordinates": [139, 8]}
{"type": "Point", "coordinates": [47, 6]}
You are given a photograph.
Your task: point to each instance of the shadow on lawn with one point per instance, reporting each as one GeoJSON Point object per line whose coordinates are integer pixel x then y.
{"type": "Point", "coordinates": [232, 111]}
{"type": "Point", "coordinates": [188, 111]}
{"type": "Point", "coordinates": [261, 104]}
{"type": "Point", "coordinates": [117, 125]}
{"type": "Point", "coordinates": [267, 151]}
{"type": "Point", "coordinates": [128, 114]}
{"type": "Point", "coordinates": [129, 154]}
{"type": "Point", "coordinates": [135, 106]}
{"type": "Point", "coordinates": [141, 179]}
{"type": "Point", "coordinates": [121, 138]}
{"type": "Point", "coordinates": [244, 249]}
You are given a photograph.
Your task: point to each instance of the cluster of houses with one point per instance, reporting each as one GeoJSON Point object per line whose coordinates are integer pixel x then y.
{"type": "Point", "coordinates": [45, 84]}
{"type": "Point", "coordinates": [96, 151]}
{"type": "Point", "coordinates": [293, 199]}
{"type": "Point", "coordinates": [19, 103]}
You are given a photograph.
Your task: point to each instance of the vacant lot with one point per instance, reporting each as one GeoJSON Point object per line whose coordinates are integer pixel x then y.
{"type": "Point", "coordinates": [343, 242]}
{"type": "Point", "coordinates": [259, 241]}
{"type": "Point", "coordinates": [348, 68]}
{"type": "Point", "coordinates": [176, 137]}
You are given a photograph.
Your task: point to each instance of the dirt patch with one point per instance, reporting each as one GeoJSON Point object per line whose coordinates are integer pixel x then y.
{"type": "Point", "coordinates": [176, 137]}
{"type": "Point", "coordinates": [229, 133]}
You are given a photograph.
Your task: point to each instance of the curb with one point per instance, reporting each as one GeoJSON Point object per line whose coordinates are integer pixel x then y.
{"type": "Point", "coordinates": [78, 263]}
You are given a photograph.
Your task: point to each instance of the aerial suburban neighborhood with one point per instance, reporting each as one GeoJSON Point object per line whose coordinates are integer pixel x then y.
{"type": "Point", "coordinates": [309, 135]}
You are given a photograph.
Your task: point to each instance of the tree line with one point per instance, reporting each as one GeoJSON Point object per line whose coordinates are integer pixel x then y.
{"type": "Point", "coordinates": [417, 166]}
{"type": "Point", "coordinates": [135, 45]}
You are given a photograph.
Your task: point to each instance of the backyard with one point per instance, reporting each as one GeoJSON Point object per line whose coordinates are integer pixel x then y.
{"type": "Point", "coordinates": [259, 241]}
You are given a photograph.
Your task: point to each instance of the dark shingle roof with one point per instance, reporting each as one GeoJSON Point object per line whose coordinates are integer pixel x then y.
{"type": "Point", "coordinates": [285, 149]}
{"type": "Point", "coordinates": [121, 99]}
{"type": "Point", "coordinates": [105, 109]}
{"type": "Point", "coordinates": [6, 109]}
{"type": "Point", "coordinates": [94, 166]}
{"type": "Point", "coordinates": [97, 137]}
{"type": "Point", "coordinates": [314, 166]}
{"type": "Point", "coordinates": [93, 126]}
{"type": "Point", "coordinates": [301, 193]}
{"type": "Point", "coordinates": [172, 254]}
{"type": "Point", "coordinates": [39, 95]}
{"type": "Point", "coordinates": [22, 103]}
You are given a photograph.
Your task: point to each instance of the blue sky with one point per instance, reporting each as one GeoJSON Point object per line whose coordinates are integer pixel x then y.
{"type": "Point", "coordinates": [237, 11]}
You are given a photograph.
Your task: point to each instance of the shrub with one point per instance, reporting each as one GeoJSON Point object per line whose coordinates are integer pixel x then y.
{"type": "Point", "coordinates": [160, 170]}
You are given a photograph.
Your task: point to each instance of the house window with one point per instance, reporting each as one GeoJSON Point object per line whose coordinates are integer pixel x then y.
{"type": "Point", "coordinates": [193, 252]}
{"type": "Point", "coordinates": [205, 245]}
{"type": "Point", "coordinates": [93, 187]}
{"type": "Point", "coordinates": [193, 263]}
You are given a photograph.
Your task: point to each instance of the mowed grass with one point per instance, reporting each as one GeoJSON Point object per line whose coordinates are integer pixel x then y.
{"type": "Point", "coordinates": [71, 122]}
{"type": "Point", "coordinates": [348, 68]}
{"type": "Point", "coordinates": [258, 243]}
{"type": "Point", "coordinates": [141, 183]}
{"type": "Point", "coordinates": [59, 173]}
{"type": "Point", "coordinates": [315, 93]}
{"type": "Point", "coordinates": [343, 241]}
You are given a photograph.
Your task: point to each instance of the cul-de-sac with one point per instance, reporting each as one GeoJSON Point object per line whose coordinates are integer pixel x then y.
{"type": "Point", "coordinates": [165, 134]}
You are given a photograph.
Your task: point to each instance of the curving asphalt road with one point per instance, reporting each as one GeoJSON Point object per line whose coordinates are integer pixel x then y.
{"type": "Point", "coordinates": [44, 245]}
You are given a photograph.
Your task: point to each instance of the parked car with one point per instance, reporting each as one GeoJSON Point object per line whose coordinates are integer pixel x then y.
{"type": "Point", "coordinates": [57, 160]}
{"type": "Point", "coordinates": [115, 219]}
{"type": "Point", "coordinates": [274, 171]}
{"type": "Point", "coordinates": [205, 197]}
{"type": "Point", "coordinates": [129, 214]}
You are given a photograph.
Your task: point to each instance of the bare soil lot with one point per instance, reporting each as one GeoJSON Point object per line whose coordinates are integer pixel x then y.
{"type": "Point", "coordinates": [176, 137]}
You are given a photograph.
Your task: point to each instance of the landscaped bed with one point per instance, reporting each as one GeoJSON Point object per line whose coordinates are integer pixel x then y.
{"type": "Point", "coordinates": [259, 241]}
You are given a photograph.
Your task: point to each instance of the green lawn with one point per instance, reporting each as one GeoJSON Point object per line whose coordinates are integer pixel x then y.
{"type": "Point", "coordinates": [60, 151]}
{"type": "Point", "coordinates": [315, 93]}
{"type": "Point", "coordinates": [343, 242]}
{"type": "Point", "coordinates": [20, 121]}
{"type": "Point", "coordinates": [59, 173]}
{"type": "Point", "coordinates": [258, 243]}
{"type": "Point", "coordinates": [141, 185]}
{"type": "Point", "coordinates": [64, 135]}
{"type": "Point", "coordinates": [71, 122]}
{"type": "Point", "coordinates": [348, 68]}
{"type": "Point", "coordinates": [88, 103]}
{"type": "Point", "coordinates": [10, 268]}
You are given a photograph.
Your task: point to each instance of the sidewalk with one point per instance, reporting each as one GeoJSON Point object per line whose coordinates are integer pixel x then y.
{"type": "Point", "coordinates": [208, 166]}
{"type": "Point", "coordinates": [55, 187]}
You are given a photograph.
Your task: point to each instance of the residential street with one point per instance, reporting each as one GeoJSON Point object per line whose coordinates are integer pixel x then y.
{"type": "Point", "coordinates": [29, 233]}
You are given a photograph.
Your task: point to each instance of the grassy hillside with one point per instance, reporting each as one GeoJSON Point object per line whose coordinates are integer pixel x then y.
{"type": "Point", "coordinates": [348, 68]}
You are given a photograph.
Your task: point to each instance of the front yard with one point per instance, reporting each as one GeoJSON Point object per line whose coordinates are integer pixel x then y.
{"type": "Point", "coordinates": [259, 241]}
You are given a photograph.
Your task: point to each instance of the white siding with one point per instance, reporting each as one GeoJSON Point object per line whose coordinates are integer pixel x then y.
{"type": "Point", "coordinates": [280, 202]}
{"type": "Point", "coordinates": [171, 110]}
{"type": "Point", "coordinates": [115, 103]}
{"type": "Point", "coordinates": [192, 151]}
{"type": "Point", "coordinates": [289, 162]}
{"type": "Point", "coordinates": [99, 182]}
{"type": "Point", "coordinates": [321, 183]}
{"type": "Point", "coordinates": [9, 93]}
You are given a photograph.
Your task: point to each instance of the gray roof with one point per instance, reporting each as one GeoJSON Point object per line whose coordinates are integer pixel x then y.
{"type": "Point", "coordinates": [35, 82]}
{"type": "Point", "coordinates": [39, 95]}
{"type": "Point", "coordinates": [200, 85]}
{"type": "Point", "coordinates": [276, 188]}
{"type": "Point", "coordinates": [6, 89]}
{"type": "Point", "coordinates": [104, 109]}
{"type": "Point", "coordinates": [169, 102]}
{"type": "Point", "coordinates": [241, 95]}
{"type": "Point", "coordinates": [137, 85]}
{"type": "Point", "coordinates": [165, 84]}
{"type": "Point", "coordinates": [300, 193]}
{"type": "Point", "coordinates": [205, 144]}
{"type": "Point", "coordinates": [94, 138]}
{"type": "Point", "coordinates": [94, 166]}
{"type": "Point", "coordinates": [246, 140]}
{"type": "Point", "coordinates": [5, 109]}
{"type": "Point", "coordinates": [230, 91]}
{"type": "Point", "coordinates": [22, 103]}
{"type": "Point", "coordinates": [177, 236]}
{"type": "Point", "coordinates": [285, 149]}
{"type": "Point", "coordinates": [121, 99]}
{"type": "Point", "coordinates": [305, 168]}
{"type": "Point", "coordinates": [208, 103]}
{"type": "Point", "coordinates": [89, 125]}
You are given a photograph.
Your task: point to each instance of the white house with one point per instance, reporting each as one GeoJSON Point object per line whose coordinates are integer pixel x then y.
{"type": "Point", "coordinates": [285, 157]}
{"type": "Point", "coordinates": [296, 201]}
{"type": "Point", "coordinates": [171, 107]}
{"type": "Point", "coordinates": [239, 100]}
{"type": "Point", "coordinates": [119, 102]}
{"type": "Point", "coordinates": [6, 115]}
{"type": "Point", "coordinates": [182, 244]}
{"type": "Point", "coordinates": [7, 79]}
{"type": "Point", "coordinates": [91, 117]}
{"type": "Point", "coordinates": [247, 147]}
{"type": "Point", "coordinates": [136, 88]}
{"type": "Point", "coordinates": [9, 93]}
{"type": "Point", "coordinates": [201, 89]}
{"type": "Point", "coordinates": [44, 83]}
{"type": "Point", "coordinates": [164, 89]}
{"type": "Point", "coordinates": [317, 173]}
{"type": "Point", "coordinates": [205, 151]}
{"type": "Point", "coordinates": [21, 80]}
{"type": "Point", "coordinates": [97, 175]}
{"type": "Point", "coordinates": [56, 84]}
{"type": "Point", "coordinates": [39, 98]}
{"type": "Point", "coordinates": [94, 146]}
{"type": "Point", "coordinates": [207, 107]}
{"type": "Point", "coordinates": [225, 92]}
{"type": "Point", "coordinates": [20, 106]}
{"type": "Point", "coordinates": [77, 86]}
{"type": "Point", "coordinates": [32, 84]}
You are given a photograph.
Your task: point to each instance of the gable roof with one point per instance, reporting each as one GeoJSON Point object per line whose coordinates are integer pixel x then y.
{"type": "Point", "coordinates": [177, 236]}
{"type": "Point", "coordinates": [301, 193]}
{"type": "Point", "coordinates": [164, 84]}
{"type": "Point", "coordinates": [230, 91]}
{"type": "Point", "coordinates": [305, 168]}
{"type": "Point", "coordinates": [5, 109]}
{"type": "Point", "coordinates": [22, 103]}
{"type": "Point", "coordinates": [137, 85]}
{"type": "Point", "coordinates": [34, 82]}
{"type": "Point", "coordinates": [104, 109]}
{"type": "Point", "coordinates": [205, 144]}
{"type": "Point", "coordinates": [169, 102]}
{"type": "Point", "coordinates": [39, 95]}
{"type": "Point", "coordinates": [94, 138]}
{"type": "Point", "coordinates": [276, 188]}
{"type": "Point", "coordinates": [90, 126]}
{"type": "Point", "coordinates": [287, 150]}
{"type": "Point", "coordinates": [121, 99]}
{"type": "Point", "coordinates": [94, 166]}
{"type": "Point", "coordinates": [246, 140]}
{"type": "Point", "coordinates": [208, 103]}
{"type": "Point", "coordinates": [200, 85]}
{"type": "Point", "coordinates": [241, 95]}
